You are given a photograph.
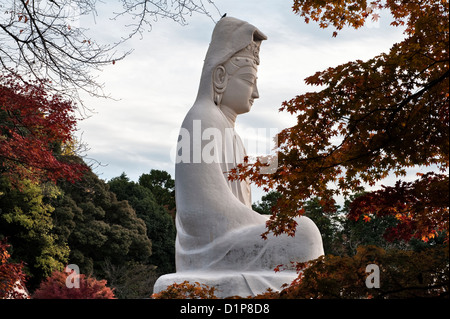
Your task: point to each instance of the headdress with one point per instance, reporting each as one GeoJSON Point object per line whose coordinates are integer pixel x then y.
{"type": "Point", "coordinates": [249, 53]}
{"type": "Point", "coordinates": [232, 38]}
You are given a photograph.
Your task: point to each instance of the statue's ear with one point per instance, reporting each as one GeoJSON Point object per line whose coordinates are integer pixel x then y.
{"type": "Point", "coordinates": [220, 76]}
{"type": "Point", "coordinates": [220, 79]}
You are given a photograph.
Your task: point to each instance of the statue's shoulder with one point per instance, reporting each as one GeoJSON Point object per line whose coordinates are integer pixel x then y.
{"type": "Point", "coordinates": [203, 115]}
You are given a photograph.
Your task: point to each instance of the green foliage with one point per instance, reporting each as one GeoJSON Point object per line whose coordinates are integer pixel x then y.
{"type": "Point", "coordinates": [108, 237]}
{"type": "Point", "coordinates": [132, 280]}
{"type": "Point", "coordinates": [148, 206]}
{"type": "Point", "coordinates": [350, 233]}
{"type": "Point", "coordinates": [267, 202]}
{"type": "Point", "coordinates": [328, 222]}
{"type": "Point", "coordinates": [162, 186]}
{"type": "Point", "coordinates": [98, 227]}
{"type": "Point", "coordinates": [25, 219]}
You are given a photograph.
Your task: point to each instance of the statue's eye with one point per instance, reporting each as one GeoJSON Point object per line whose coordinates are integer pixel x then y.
{"type": "Point", "coordinates": [250, 78]}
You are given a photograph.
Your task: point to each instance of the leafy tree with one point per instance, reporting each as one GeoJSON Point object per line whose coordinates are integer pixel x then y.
{"type": "Point", "coordinates": [403, 274]}
{"type": "Point", "coordinates": [186, 290]}
{"type": "Point", "coordinates": [388, 113]}
{"type": "Point", "coordinates": [12, 276]}
{"type": "Point", "coordinates": [342, 234]}
{"type": "Point", "coordinates": [267, 202]}
{"type": "Point", "coordinates": [54, 287]}
{"type": "Point", "coordinates": [98, 227]}
{"type": "Point", "coordinates": [33, 124]}
{"type": "Point", "coordinates": [133, 280]}
{"type": "Point", "coordinates": [25, 219]}
{"type": "Point", "coordinates": [160, 225]}
{"type": "Point", "coordinates": [411, 205]}
{"type": "Point", "coordinates": [328, 222]}
{"type": "Point", "coordinates": [162, 186]}
{"type": "Point", "coordinates": [365, 231]}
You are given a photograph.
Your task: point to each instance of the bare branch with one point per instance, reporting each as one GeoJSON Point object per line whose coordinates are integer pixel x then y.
{"type": "Point", "coordinates": [146, 12]}
{"type": "Point", "coordinates": [43, 41]}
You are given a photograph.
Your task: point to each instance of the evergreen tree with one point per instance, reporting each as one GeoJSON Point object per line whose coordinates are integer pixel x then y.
{"type": "Point", "coordinates": [98, 227]}
{"type": "Point", "coordinates": [162, 186]}
{"type": "Point", "coordinates": [160, 225]}
{"type": "Point", "coordinates": [267, 202]}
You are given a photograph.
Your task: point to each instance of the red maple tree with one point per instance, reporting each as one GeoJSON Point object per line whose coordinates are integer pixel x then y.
{"type": "Point", "coordinates": [12, 277]}
{"type": "Point", "coordinates": [33, 127]}
{"type": "Point", "coordinates": [54, 287]}
{"type": "Point", "coordinates": [421, 207]}
{"type": "Point", "coordinates": [369, 120]}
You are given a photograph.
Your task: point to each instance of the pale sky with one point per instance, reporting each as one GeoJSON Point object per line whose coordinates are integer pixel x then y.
{"type": "Point", "coordinates": [155, 86]}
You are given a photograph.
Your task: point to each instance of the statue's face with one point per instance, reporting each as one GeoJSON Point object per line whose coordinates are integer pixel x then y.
{"type": "Point", "coordinates": [240, 90]}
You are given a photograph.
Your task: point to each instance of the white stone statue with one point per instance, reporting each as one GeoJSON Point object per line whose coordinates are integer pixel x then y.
{"type": "Point", "coordinates": [218, 234]}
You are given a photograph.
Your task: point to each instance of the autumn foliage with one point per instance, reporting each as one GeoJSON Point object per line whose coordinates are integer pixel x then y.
{"type": "Point", "coordinates": [369, 120]}
{"type": "Point", "coordinates": [12, 275]}
{"type": "Point", "coordinates": [34, 126]}
{"type": "Point", "coordinates": [403, 274]}
{"type": "Point", "coordinates": [186, 290]}
{"type": "Point", "coordinates": [54, 287]}
{"type": "Point", "coordinates": [412, 204]}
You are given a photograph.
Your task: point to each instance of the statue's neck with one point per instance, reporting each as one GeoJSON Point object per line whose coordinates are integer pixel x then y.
{"type": "Point", "coordinates": [229, 114]}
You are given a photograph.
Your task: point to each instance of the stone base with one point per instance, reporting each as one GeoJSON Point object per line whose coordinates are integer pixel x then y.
{"type": "Point", "coordinates": [229, 284]}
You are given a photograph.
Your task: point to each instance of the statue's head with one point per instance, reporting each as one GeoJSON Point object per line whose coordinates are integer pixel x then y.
{"type": "Point", "coordinates": [231, 64]}
{"type": "Point", "coordinates": [234, 81]}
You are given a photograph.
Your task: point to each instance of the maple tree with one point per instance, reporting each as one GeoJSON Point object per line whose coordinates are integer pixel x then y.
{"type": "Point", "coordinates": [34, 126]}
{"type": "Point", "coordinates": [12, 276]}
{"type": "Point", "coordinates": [403, 274]}
{"type": "Point", "coordinates": [370, 119]}
{"type": "Point", "coordinates": [186, 290]}
{"type": "Point", "coordinates": [421, 207]}
{"type": "Point", "coordinates": [54, 287]}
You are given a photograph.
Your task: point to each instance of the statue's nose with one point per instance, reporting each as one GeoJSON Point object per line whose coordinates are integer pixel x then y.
{"type": "Point", "coordinates": [255, 93]}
